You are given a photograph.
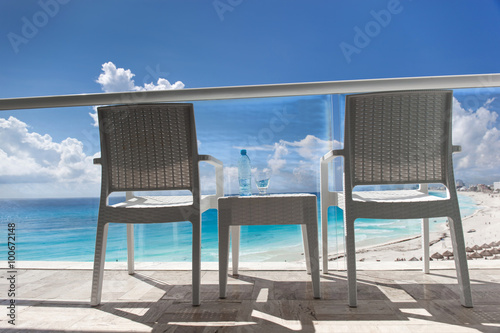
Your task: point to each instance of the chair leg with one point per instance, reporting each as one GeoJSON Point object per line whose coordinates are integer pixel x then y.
{"type": "Point", "coordinates": [196, 259]}
{"type": "Point", "coordinates": [311, 231]}
{"type": "Point", "coordinates": [223, 258]}
{"type": "Point", "coordinates": [458, 242]}
{"type": "Point", "coordinates": [351, 259]}
{"type": "Point", "coordinates": [425, 245]}
{"type": "Point", "coordinates": [306, 248]}
{"type": "Point", "coordinates": [324, 234]}
{"type": "Point", "coordinates": [235, 241]}
{"type": "Point", "coordinates": [130, 248]}
{"type": "Point", "coordinates": [99, 259]}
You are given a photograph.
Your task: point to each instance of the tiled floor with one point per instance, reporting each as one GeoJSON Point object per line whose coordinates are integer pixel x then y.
{"type": "Point", "coordinates": [258, 301]}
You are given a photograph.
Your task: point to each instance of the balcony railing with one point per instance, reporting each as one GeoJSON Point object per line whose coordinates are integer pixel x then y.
{"type": "Point", "coordinates": [257, 91]}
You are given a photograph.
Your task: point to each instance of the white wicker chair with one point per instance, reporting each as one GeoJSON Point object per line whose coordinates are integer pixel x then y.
{"type": "Point", "coordinates": [150, 147]}
{"type": "Point", "coordinates": [396, 138]}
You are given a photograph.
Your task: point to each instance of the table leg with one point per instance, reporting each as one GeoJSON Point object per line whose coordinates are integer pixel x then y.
{"type": "Point", "coordinates": [306, 248]}
{"type": "Point", "coordinates": [235, 239]}
{"type": "Point", "coordinates": [223, 258]}
{"type": "Point", "coordinates": [312, 235]}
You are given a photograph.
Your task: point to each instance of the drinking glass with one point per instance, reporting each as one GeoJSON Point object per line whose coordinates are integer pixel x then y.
{"type": "Point", "coordinates": [262, 178]}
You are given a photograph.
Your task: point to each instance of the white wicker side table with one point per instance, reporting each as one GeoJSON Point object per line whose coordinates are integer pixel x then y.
{"type": "Point", "coordinates": [268, 210]}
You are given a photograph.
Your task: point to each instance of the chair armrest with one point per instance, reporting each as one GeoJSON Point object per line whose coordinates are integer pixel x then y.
{"type": "Point", "coordinates": [331, 155]}
{"type": "Point", "coordinates": [209, 159]}
{"type": "Point", "coordinates": [97, 160]}
{"type": "Point", "coordinates": [324, 192]}
{"type": "Point", "coordinates": [456, 149]}
{"type": "Point", "coordinates": [327, 198]}
{"type": "Point", "coordinates": [219, 173]}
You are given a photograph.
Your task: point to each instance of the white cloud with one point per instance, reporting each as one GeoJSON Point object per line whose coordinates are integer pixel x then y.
{"type": "Point", "coordinates": [161, 84]}
{"type": "Point", "coordinates": [94, 116]}
{"type": "Point", "coordinates": [276, 162]}
{"type": "Point", "coordinates": [312, 148]}
{"type": "Point", "coordinates": [306, 172]}
{"type": "Point", "coordinates": [231, 184]}
{"type": "Point", "coordinates": [231, 179]}
{"type": "Point", "coordinates": [29, 157]}
{"type": "Point", "coordinates": [256, 148]}
{"type": "Point", "coordinates": [113, 79]}
{"type": "Point", "coordinates": [489, 101]}
{"type": "Point", "coordinates": [295, 164]}
{"type": "Point", "coordinates": [208, 183]}
{"type": "Point", "coordinates": [476, 132]}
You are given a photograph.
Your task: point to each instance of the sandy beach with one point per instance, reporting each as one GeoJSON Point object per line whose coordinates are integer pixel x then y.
{"type": "Point", "coordinates": [479, 228]}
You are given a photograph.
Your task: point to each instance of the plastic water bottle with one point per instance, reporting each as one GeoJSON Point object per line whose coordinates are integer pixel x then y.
{"type": "Point", "coordinates": [245, 174]}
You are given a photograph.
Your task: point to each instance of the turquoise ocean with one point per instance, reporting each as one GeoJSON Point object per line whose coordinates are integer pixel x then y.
{"type": "Point", "coordinates": [64, 230]}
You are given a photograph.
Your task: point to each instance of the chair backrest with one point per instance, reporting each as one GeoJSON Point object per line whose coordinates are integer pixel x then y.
{"type": "Point", "coordinates": [149, 147]}
{"type": "Point", "coordinates": [399, 137]}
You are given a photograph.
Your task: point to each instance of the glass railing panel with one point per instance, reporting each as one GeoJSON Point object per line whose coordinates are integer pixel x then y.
{"type": "Point", "coordinates": [288, 135]}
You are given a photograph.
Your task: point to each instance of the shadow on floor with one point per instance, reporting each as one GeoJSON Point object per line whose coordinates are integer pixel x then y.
{"type": "Point", "coordinates": [265, 301]}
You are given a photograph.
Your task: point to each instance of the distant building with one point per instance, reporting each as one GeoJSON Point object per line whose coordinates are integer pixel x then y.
{"type": "Point", "coordinates": [483, 188]}
{"type": "Point", "coordinates": [496, 186]}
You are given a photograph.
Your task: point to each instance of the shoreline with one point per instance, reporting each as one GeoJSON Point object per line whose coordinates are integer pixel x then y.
{"type": "Point", "coordinates": [477, 229]}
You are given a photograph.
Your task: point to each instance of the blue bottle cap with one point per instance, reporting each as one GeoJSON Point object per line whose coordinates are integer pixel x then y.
{"type": "Point", "coordinates": [243, 152]}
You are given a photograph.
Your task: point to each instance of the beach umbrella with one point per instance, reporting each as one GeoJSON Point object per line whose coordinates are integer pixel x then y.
{"type": "Point", "coordinates": [469, 257]}
{"type": "Point", "coordinates": [415, 259]}
{"type": "Point", "coordinates": [496, 257]}
{"type": "Point", "coordinates": [495, 251]}
{"type": "Point", "coordinates": [469, 249]}
{"type": "Point", "coordinates": [497, 243]}
{"type": "Point", "coordinates": [493, 244]}
{"type": "Point", "coordinates": [485, 246]}
{"type": "Point", "coordinates": [486, 253]}
{"type": "Point", "coordinates": [477, 247]}
{"type": "Point", "coordinates": [447, 254]}
{"type": "Point", "coordinates": [476, 255]}
{"type": "Point", "coordinates": [437, 255]}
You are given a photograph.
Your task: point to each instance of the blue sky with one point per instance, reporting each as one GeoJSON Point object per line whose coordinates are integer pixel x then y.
{"type": "Point", "coordinates": [55, 47]}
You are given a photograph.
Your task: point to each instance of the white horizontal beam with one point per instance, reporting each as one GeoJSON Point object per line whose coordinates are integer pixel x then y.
{"type": "Point", "coordinates": [257, 91]}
